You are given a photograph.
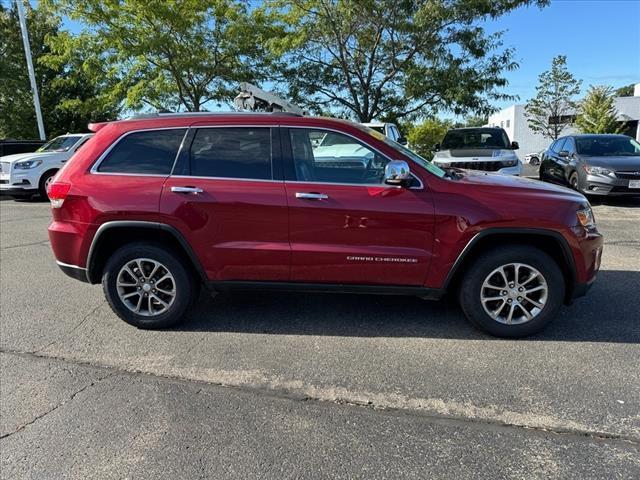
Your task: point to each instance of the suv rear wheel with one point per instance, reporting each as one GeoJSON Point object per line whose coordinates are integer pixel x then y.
{"type": "Point", "coordinates": [512, 292]}
{"type": "Point", "coordinates": [148, 287]}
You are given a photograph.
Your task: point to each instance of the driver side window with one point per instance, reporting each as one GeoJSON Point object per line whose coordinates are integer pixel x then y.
{"type": "Point", "coordinates": [329, 157]}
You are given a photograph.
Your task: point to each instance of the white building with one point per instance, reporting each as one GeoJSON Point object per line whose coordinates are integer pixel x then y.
{"type": "Point", "coordinates": [514, 121]}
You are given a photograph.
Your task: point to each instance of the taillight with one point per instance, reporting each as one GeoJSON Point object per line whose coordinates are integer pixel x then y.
{"type": "Point", "coordinates": [57, 192]}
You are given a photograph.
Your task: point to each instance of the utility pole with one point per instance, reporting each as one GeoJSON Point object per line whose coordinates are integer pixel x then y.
{"type": "Point", "coordinates": [32, 73]}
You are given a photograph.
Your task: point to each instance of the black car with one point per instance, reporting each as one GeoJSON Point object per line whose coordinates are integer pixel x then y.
{"type": "Point", "coordinates": [594, 164]}
{"type": "Point", "coordinates": [9, 146]}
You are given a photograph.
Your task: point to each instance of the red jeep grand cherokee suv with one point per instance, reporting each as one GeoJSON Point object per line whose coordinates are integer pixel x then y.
{"type": "Point", "coordinates": [154, 207]}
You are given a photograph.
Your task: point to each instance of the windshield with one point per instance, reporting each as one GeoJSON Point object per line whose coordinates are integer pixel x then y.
{"type": "Point", "coordinates": [430, 167]}
{"type": "Point", "coordinates": [475, 138]}
{"type": "Point", "coordinates": [331, 139]}
{"type": "Point", "coordinates": [59, 144]}
{"type": "Point", "coordinates": [608, 146]}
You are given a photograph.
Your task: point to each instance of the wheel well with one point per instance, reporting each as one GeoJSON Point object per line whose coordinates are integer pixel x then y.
{"type": "Point", "coordinates": [114, 238]}
{"type": "Point", "coordinates": [47, 172]}
{"type": "Point", "coordinates": [549, 244]}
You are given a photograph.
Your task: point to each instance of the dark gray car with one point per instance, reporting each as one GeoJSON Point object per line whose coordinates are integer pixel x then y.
{"type": "Point", "coordinates": [594, 164]}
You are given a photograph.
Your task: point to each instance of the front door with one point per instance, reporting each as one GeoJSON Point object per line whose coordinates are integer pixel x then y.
{"type": "Point", "coordinates": [346, 225]}
{"type": "Point", "coordinates": [230, 205]}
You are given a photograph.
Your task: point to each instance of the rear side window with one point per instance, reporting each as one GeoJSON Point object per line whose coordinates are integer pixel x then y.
{"type": "Point", "coordinates": [150, 152]}
{"type": "Point", "coordinates": [234, 152]}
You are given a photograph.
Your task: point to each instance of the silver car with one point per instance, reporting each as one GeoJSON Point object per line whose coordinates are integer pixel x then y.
{"type": "Point", "coordinates": [594, 164]}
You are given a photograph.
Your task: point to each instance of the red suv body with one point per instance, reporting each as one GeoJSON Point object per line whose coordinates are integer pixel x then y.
{"type": "Point", "coordinates": [291, 202]}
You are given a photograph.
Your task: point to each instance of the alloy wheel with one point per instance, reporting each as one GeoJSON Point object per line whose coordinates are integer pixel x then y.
{"type": "Point", "coordinates": [514, 293]}
{"type": "Point", "coordinates": [146, 287]}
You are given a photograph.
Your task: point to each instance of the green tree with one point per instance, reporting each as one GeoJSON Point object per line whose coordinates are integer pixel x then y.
{"type": "Point", "coordinates": [472, 121]}
{"type": "Point", "coordinates": [71, 81]}
{"type": "Point", "coordinates": [424, 136]}
{"type": "Point", "coordinates": [553, 107]}
{"type": "Point", "coordinates": [598, 112]}
{"type": "Point", "coordinates": [626, 91]}
{"type": "Point", "coordinates": [176, 54]}
{"type": "Point", "coordinates": [369, 59]}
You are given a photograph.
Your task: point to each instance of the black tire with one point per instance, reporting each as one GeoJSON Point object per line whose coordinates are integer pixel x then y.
{"type": "Point", "coordinates": [42, 185]}
{"type": "Point", "coordinates": [573, 181]}
{"type": "Point", "coordinates": [475, 275]}
{"type": "Point", "coordinates": [187, 287]}
{"type": "Point", "coordinates": [534, 161]}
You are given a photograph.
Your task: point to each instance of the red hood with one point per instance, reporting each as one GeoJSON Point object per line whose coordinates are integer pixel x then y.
{"type": "Point", "coordinates": [521, 184]}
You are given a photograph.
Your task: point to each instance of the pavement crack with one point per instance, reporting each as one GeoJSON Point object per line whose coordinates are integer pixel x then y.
{"type": "Point", "coordinates": [41, 242]}
{"type": "Point", "coordinates": [53, 409]}
{"type": "Point", "coordinates": [375, 402]}
{"type": "Point", "coordinates": [73, 329]}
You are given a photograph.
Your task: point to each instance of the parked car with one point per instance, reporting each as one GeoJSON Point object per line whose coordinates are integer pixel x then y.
{"type": "Point", "coordinates": [478, 148]}
{"type": "Point", "coordinates": [594, 164]}
{"type": "Point", "coordinates": [389, 130]}
{"type": "Point", "coordinates": [9, 146]}
{"type": "Point", "coordinates": [153, 208]}
{"type": "Point", "coordinates": [534, 157]}
{"type": "Point", "coordinates": [22, 175]}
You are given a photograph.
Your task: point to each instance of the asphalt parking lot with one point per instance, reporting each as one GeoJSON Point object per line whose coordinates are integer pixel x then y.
{"type": "Point", "coordinates": [288, 386]}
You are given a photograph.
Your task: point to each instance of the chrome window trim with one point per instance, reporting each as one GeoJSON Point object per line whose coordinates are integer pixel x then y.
{"type": "Point", "coordinates": [420, 187]}
{"type": "Point", "coordinates": [200, 177]}
{"type": "Point", "coordinates": [96, 164]}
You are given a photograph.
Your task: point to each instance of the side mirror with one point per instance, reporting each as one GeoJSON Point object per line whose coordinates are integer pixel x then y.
{"type": "Point", "coordinates": [436, 147]}
{"type": "Point", "coordinates": [564, 154]}
{"type": "Point", "coordinates": [515, 146]}
{"type": "Point", "coordinates": [402, 141]}
{"type": "Point", "coordinates": [397, 173]}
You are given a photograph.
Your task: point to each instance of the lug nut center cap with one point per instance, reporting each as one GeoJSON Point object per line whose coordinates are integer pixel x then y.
{"type": "Point", "coordinates": [146, 287]}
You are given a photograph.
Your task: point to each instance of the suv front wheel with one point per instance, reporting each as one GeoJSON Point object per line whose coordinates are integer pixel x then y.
{"type": "Point", "coordinates": [512, 292]}
{"type": "Point", "coordinates": [148, 287]}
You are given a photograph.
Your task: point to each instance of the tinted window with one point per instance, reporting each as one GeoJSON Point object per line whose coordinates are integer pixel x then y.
{"type": "Point", "coordinates": [149, 152]}
{"type": "Point", "coordinates": [232, 153]}
{"type": "Point", "coordinates": [569, 146]}
{"type": "Point", "coordinates": [337, 158]}
{"type": "Point", "coordinates": [475, 138]}
{"type": "Point", "coordinates": [557, 146]}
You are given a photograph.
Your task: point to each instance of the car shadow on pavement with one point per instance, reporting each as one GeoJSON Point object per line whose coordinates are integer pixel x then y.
{"type": "Point", "coordinates": [609, 313]}
{"type": "Point", "coordinates": [629, 202]}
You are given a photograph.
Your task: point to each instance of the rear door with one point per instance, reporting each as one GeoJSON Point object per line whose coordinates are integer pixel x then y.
{"type": "Point", "coordinates": [227, 196]}
{"type": "Point", "coordinates": [556, 169]}
{"type": "Point", "coordinates": [346, 225]}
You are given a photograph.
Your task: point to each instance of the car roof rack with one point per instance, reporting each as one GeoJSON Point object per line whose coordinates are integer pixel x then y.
{"type": "Point", "coordinates": [142, 116]}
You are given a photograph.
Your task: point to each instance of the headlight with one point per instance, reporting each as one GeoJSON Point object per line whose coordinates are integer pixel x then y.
{"type": "Point", "coordinates": [27, 164]}
{"type": "Point", "coordinates": [596, 170]}
{"type": "Point", "coordinates": [586, 219]}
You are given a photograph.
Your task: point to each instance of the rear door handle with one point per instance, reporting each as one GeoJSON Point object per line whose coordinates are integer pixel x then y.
{"type": "Point", "coordinates": [312, 196]}
{"type": "Point", "coordinates": [186, 190]}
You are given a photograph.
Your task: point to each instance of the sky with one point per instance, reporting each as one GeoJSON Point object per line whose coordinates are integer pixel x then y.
{"type": "Point", "coordinates": [601, 39]}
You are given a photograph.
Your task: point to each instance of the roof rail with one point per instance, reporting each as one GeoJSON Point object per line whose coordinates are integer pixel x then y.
{"type": "Point", "coordinates": [142, 116]}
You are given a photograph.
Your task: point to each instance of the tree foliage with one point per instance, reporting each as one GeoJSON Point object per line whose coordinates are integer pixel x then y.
{"type": "Point", "coordinates": [179, 54]}
{"type": "Point", "coordinates": [598, 113]}
{"type": "Point", "coordinates": [554, 106]}
{"type": "Point", "coordinates": [369, 58]}
{"type": "Point", "coordinates": [424, 136]}
{"type": "Point", "coordinates": [626, 91]}
{"type": "Point", "coordinates": [71, 83]}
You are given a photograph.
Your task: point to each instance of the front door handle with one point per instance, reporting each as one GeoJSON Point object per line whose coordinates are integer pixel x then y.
{"type": "Point", "coordinates": [186, 190]}
{"type": "Point", "coordinates": [312, 196]}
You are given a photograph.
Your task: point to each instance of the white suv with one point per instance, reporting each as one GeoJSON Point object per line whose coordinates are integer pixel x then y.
{"type": "Point", "coordinates": [25, 174]}
{"type": "Point", "coordinates": [478, 148]}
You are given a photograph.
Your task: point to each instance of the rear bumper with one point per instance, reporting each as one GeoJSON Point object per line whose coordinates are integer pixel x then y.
{"type": "Point", "coordinates": [75, 272]}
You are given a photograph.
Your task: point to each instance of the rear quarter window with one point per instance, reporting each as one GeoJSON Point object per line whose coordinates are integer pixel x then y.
{"type": "Point", "coordinates": [151, 152]}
